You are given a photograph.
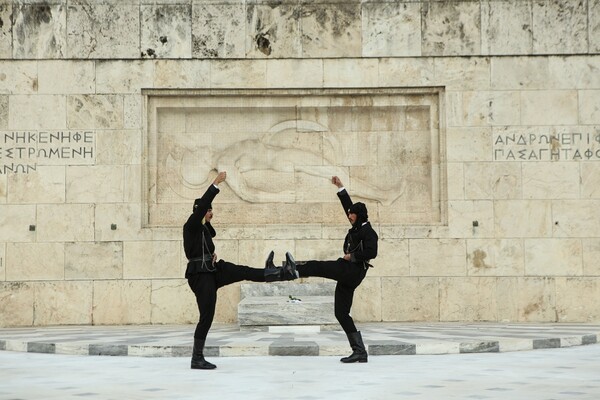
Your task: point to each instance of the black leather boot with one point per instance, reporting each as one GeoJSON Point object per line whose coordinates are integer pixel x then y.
{"type": "Point", "coordinates": [269, 261]}
{"type": "Point", "coordinates": [289, 269]}
{"type": "Point", "coordinates": [198, 361]}
{"type": "Point", "coordinates": [359, 353]}
{"type": "Point", "coordinates": [273, 274]}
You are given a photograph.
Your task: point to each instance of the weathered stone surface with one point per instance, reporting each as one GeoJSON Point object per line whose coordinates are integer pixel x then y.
{"type": "Point", "coordinates": [523, 218]}
{"type": "Point", "coordinates": [391, 29]}
{"type": "Point", "coordinates": [81, 77]}
{"type": "Point", "coordinates": [151, 259]}
{"type": "Point", "coordinates": [536, 299]}
{"type": "Point", "coordinates": [559, 27]}
{"type": "Point", "coordinates": [5, 30]}
{"type": "Point", "coordinates": [350, 72]}
{"type": "Point", "coordinates": [44, 185]}
{"type": "Point", "coordinates": [217, 30]}
{"type": "Point", "coordinates": [553, 257]}
{"type": "Point", "coordinates": [37, 112]}
{"type": "Point", "coordinates": [172, 300]}
{"type": "Point", "coordinates": [94, 260]}
{"type": "Point", "coordinates": [3, 112]}
{"type": "Point", "coordinates": [495, 257]}
{"type": "Point", "coordinates": [126, 218]}
{"type": "Point", "coordinates": [95, 184]}
{"type": "Point", "coordinates": [443, 257]}
{"type": "Point", "coordinates": [273, 30]}
{"type": "Point", "coordinates": [63, 303]}
{"type": "Point", "coordinates": [482, 108]}
{"type": "Point", "coordinates": [573, 299]}
{"type": "Point", "coordinates": [589, 107]}
{"type": "Point", "coordinates": [181, 74]}
{"type": "Point", "coordinates": [16, 304]}
{"type": "Point", "coordinates": [594, 26]}
{"type": "Point", "coordinates": [275, 310]}
{"type": "Point", "coordinates": [65, 222]}
{"type": "Point", "coordinates": [506, 27]}
{"type": "Point", "coordinates": [367, 304]}
{"type": "Point", "coordinates": [166, 30]}
{"type": "Point", "coordinates": [406, 72]}
{"type": "Point", "coordinates": [410, 299]}
{"type": "Point", "coordinates": [575, 218]}
{"type": "Point", "coordinates": [548, 180]}
{"type": "Point", "coordinates": [123, 76]}
{"type": "Point", "coordinates": [548, 107]}
{"type": "Point", "coordinates": [100, 30]}
{"type": "Point", "coordinates": [331, 30]}
{"type": "Point", "coordinates": [484, 180]}
{"type": "Point", "coordinates": [451, 28]}
{"type": "Point", "coordinates": [469, 218]}
{"type": "Point", "coordinates": [469, 144]}
{"type": "Point", "coordinates": [35, 261]}
{"type": "Point", "coordinates": [94, 111]}
{"type": "Point", "coordinates": [15, 221]}
{"type": "Point", "coordinates": [39, 30]}
{"type": "Point", "coordinates": [118, 147]}
{"type": "Point", "coordinates": [468, 299]}
{"type": "Point", "coordinates": [122, 302]}
{"type": "Point", "coordinates": [591, 255]}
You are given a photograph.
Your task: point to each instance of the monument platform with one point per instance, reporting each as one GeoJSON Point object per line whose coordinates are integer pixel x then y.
{"type": "Point", "coordinates": [381, 338]}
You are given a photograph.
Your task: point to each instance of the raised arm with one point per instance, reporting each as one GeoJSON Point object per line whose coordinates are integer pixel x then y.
{"type": "Point", "coordinates": [342, 194]}
{"type": "Point", "coordinates": [202, 204]}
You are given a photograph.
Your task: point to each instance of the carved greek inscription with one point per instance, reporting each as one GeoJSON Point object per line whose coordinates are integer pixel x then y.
{"type": "Point", "coordinates": [24, 151]}
{"type": "Point", "coordinates": [562, 146]}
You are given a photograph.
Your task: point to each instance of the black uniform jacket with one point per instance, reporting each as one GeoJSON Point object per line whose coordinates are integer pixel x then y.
{"type": "Point", "coordinates": [361, 240]}
{"type": "Point", "coordinates": [197, 237]}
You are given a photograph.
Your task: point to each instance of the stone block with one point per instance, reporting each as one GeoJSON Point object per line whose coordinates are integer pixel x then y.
{"type": "Point", "coordinates": [19, 77]}
{"type": "Point", "coordinates": [495, 257]}
{"type": "Point", "coordinates": [393, 258]}
{"type": "Point", "coordinates": [550, 180]}
{"type": "Point", "coordinates": [294, 73]}
{"type": "Point", "coordinates": [437, 257]}
{"type": "Point", "coordinates": [471, 219]}
{"type": "Point", "coordinates": [35, 261]}
{"type": "Point", "coordinates": [181, 73]}
{"type": "Point", "coordinates": [39, 30]}
{"type": "Point", "coordinates": [484, 180]}
{"type": "Point", "coordinates": [3, 112]}
{"type": "Point", "coordinates": [367, 304]}
{"type": "Point", "coordinates": [172, 302]}
{"type": "Point", "coordinates": [575, 218]}
{"type": "Point", "coordinates": [95, 184]}
{"type": "Point", "coordinates": [227, 304]}
{"type": "Point", "coordinates": [95, 111]}
{"type": "Point", "coordinates": [451, 28]}
{"type": "Point", "coordinates": [15, 222]}
{"type": "Point", "coordinates": [285, 289]}
{"type": "Point", "coordinates": [549, 107]}
{"type": "Point", "coordinates": [65, 222]}
{"type": "Point", "coordinates": [6, 30]}
{"type": "Point", "coordinates": [350, 72]}
{"type": "Point", "coordinates": [279, 310]}
{"type": "Point", "coordinates": [594, 26]}
{"type": "Point", "coordinates": [16, 304]}
{"type": "Point", "coordinates": [132, 113]}
{"type": "Point", "coordinates": [574, 72]}
{"type": "Point", "coordinates": [2, 262]}
{"type": "Point", "coordinates": [118, 147]}
{"type": "Point", "coordinates": [123, 76]}
{"type": "Point", "coordinates": [407, 299]}
{"type": "Point", "coordinates": [238, 73]}
{"type": "Point", "coordinates": [391, 29]}
{"type": "Point", "coordinates": [44, 185]}
{"type": "Point", "coordinates": [151, 259]}
{"type": "Point", "coordinates": [483, 108]}
{"type": "Point", "coordinates": [122, 302]}
{"type": "Point", "coordinates": [37, 112]}
{"type": "Point", "coordinates": [573, 299]}
{"type": "Point", "coordinates": [100, 30]}
{"type": "Point", "coordinates": [216, 30]}
{"type": "Point", "coordinates": [166, 29]}
{"type": "Point", "coordinates": [254, 253]}
{"type": "Point", "coordinates": [395, 72]}
{"type": "Point", "coordinates": [331, 30]}
{"type": "Point", "coordinates": [63, 303]}
{"type": "Point", "coordinates": [589, 107]}
{"type": "Point", "coordinates": [456, 180]}
{"type": "Point", "coordinates": [468, 299]}
{"type": "Point", "coordinates": [523, 218]}
{"type": "Point", "coordinates": [559, 27]}
{"type": "Point", "coordinates": [81, 78]}
{"type": "Point", "coordinates": [521, 73]}
{"type": "Point", "coordinates": [97, 260]}
{"type": "Point", "coordinates": [591, 255]}
{"type": "Point", "coordinates": [469, 144]}
{"type": "Point", "coordinates": [318, 249]}
{"type": "Point", "coordinates": [506, 28]}
{"type": "Point", "coordinates": [126, 218]}
{"type": "Point", "coordinates": [536, 299]}
{"type": "Point", "coordinates": [273, 30]}
{"type": "Point", "coordinates": [553, 257]}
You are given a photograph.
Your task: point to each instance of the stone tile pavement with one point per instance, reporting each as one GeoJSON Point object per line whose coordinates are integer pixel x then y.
{"type": "Point", "coordinates": [229, 341]}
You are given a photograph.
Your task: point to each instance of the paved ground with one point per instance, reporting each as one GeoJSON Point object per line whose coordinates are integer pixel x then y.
{"type": "Point", "coordinates": [567, 373]}
{"type": "Point", "coordinates": [429, 361]}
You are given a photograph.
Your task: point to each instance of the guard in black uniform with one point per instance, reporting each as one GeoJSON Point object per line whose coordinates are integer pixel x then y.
{"type": "Point", "coordinates": [206, 275]}
{"type": "Point", "coordinates": [360, 246]}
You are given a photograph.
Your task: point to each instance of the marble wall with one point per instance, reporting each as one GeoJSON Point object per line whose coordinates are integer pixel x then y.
{"type": "Point", "coordinates": [518, 100]}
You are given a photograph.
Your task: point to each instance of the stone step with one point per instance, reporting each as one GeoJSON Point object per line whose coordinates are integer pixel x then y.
{"type": "Point", "coordinates": [259, 311]}
{"type": "Point", "coordinates": [286, 289]}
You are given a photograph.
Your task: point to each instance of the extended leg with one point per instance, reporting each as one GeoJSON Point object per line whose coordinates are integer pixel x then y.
{"type": "Point", "coordinates": [204, 287]}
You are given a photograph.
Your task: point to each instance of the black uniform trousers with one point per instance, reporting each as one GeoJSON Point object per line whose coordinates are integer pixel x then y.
{"type": "Point", "coordinates": [205, 286]}
{"type": "Point", "coordinates": [348, 276]}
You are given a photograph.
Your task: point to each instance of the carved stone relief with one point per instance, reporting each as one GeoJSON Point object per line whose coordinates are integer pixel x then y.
{"type": "Point", "coordinates": [280, 151]}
